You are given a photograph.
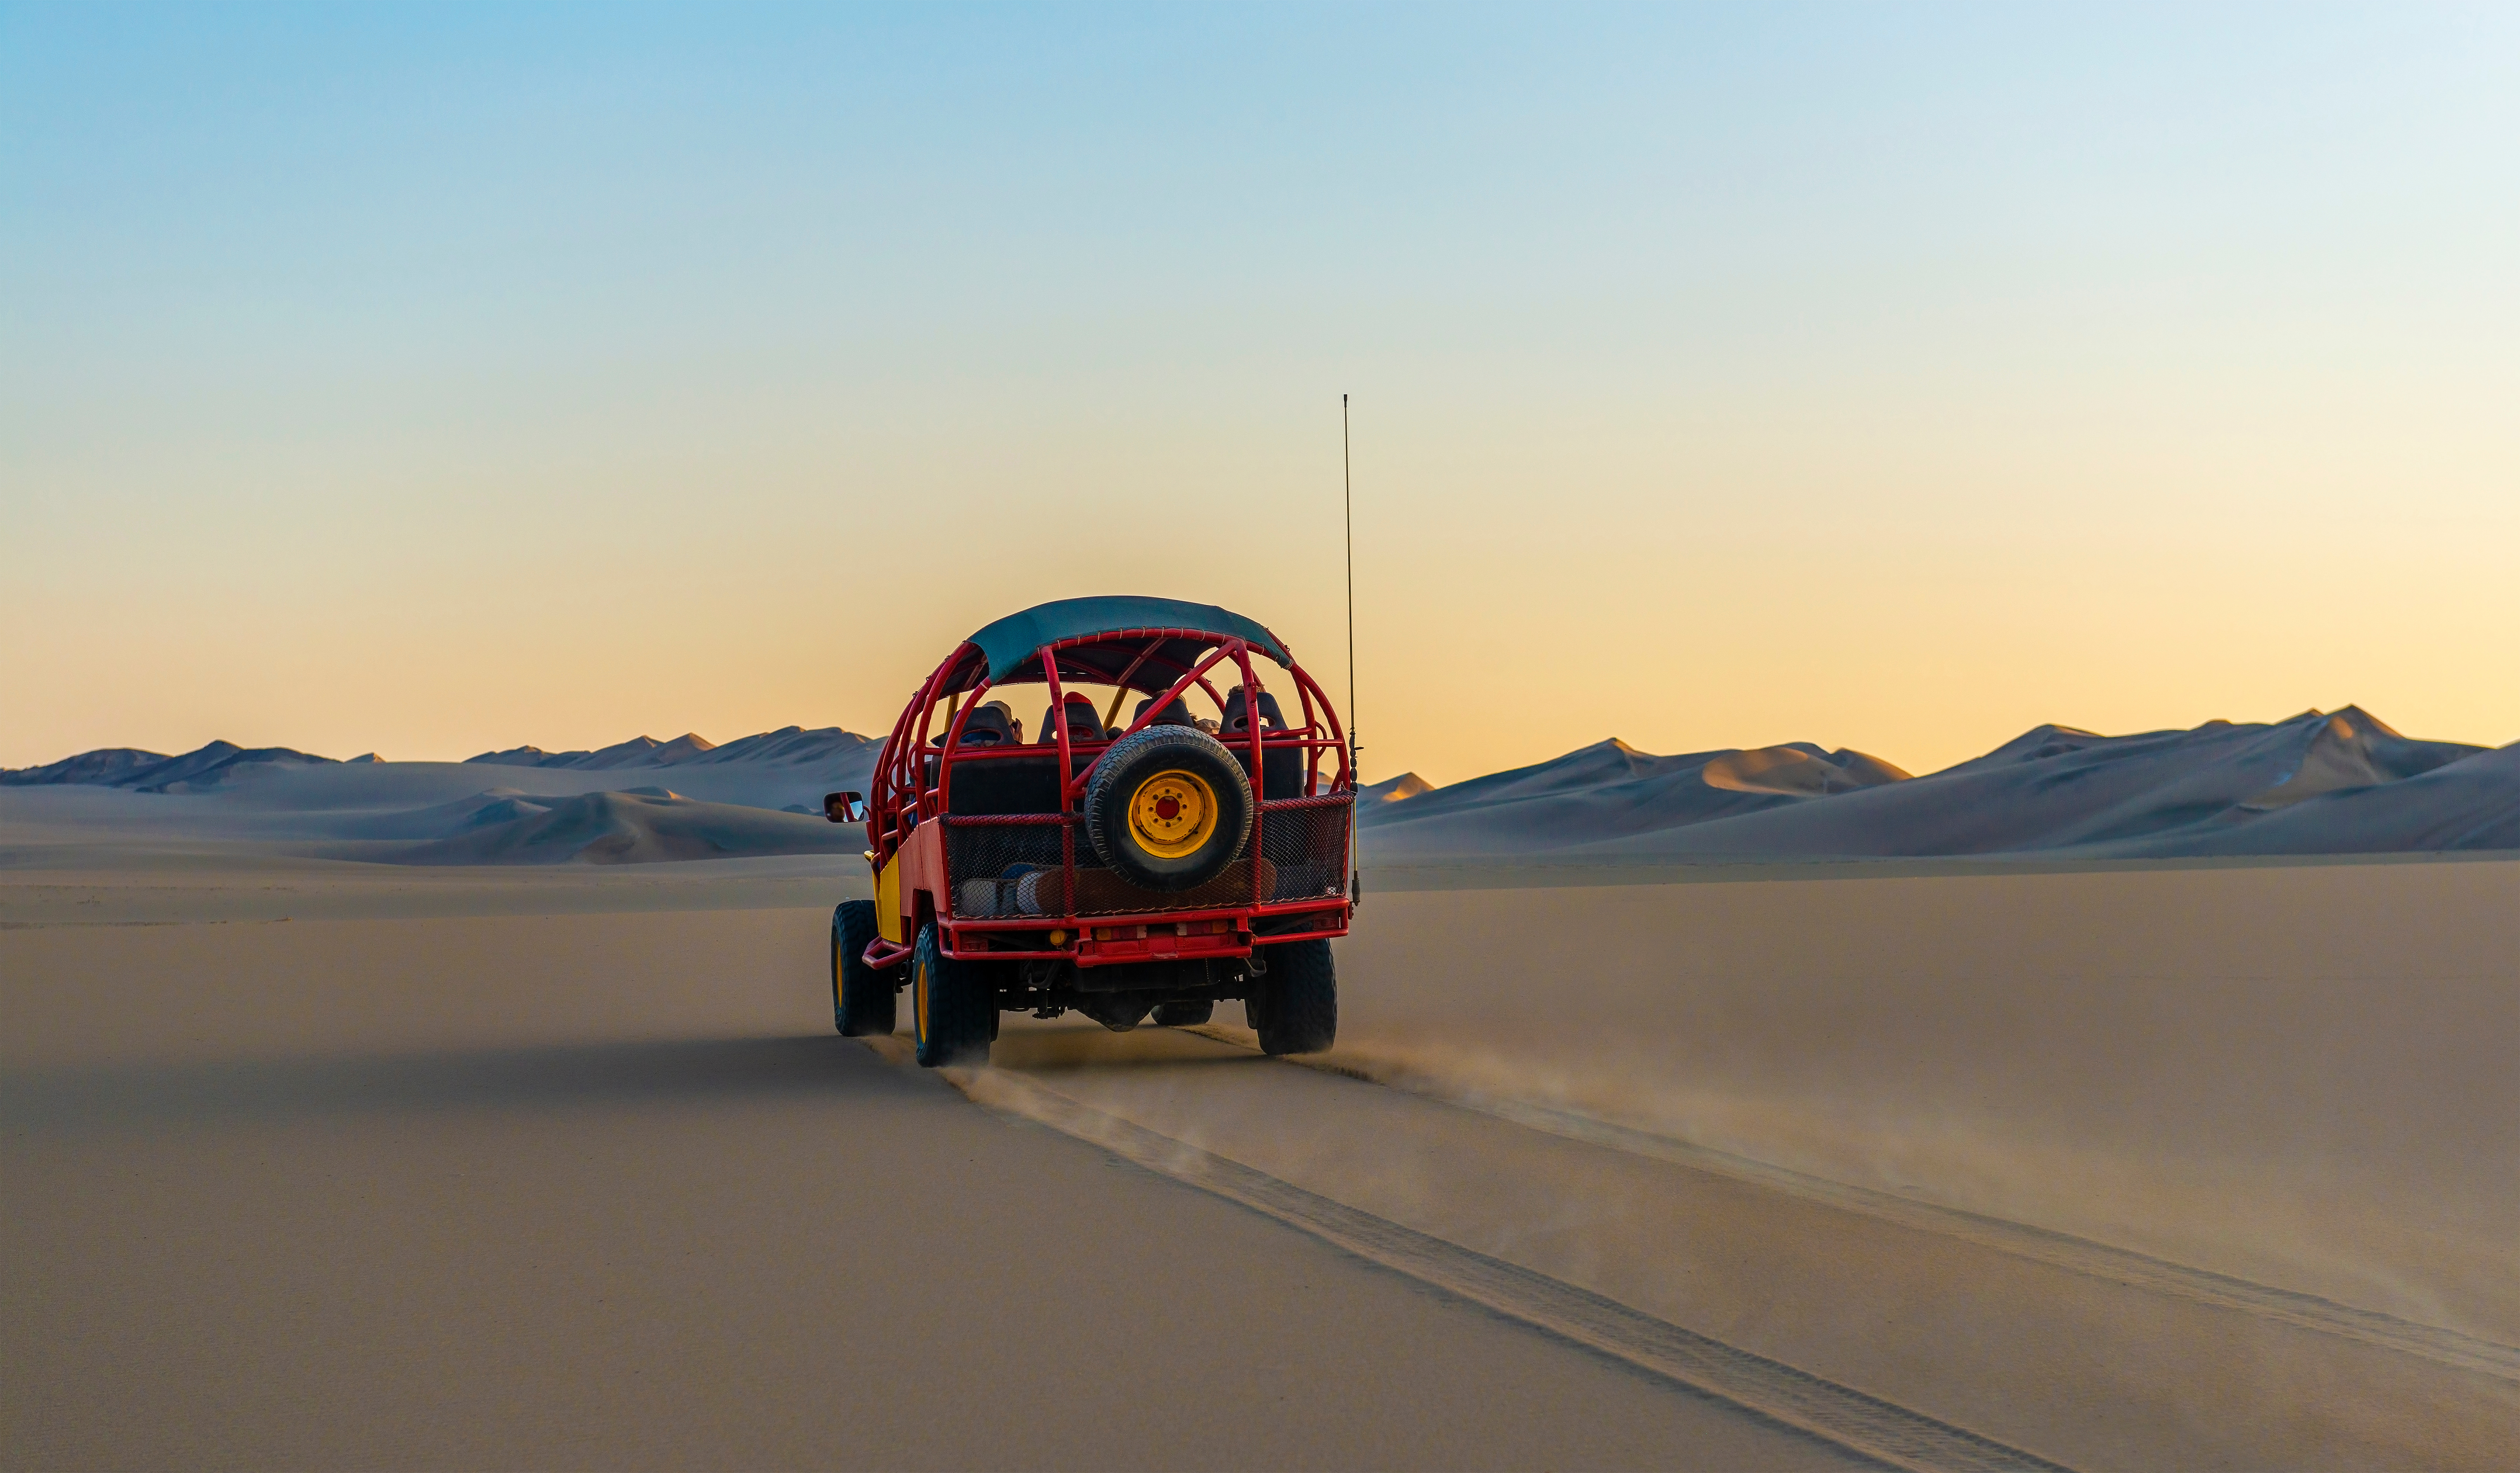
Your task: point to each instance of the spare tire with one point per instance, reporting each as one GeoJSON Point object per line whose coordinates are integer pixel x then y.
{"type": "Point", "coordinates": [1168, 808]}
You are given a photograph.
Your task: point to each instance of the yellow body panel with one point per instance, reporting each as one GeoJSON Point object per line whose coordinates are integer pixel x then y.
{"type": "Point", "coordinates": [888, 902]}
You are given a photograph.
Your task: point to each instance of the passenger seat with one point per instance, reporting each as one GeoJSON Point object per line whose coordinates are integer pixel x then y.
{"type": "Point", "coordinates": [1083, 724]}
{"type": "Point", "coordinates": [1237, 714]}
{"type": "Point", "coordinates": [1282, 770]}
{"type": "Point", "coordinates": [991, 724]}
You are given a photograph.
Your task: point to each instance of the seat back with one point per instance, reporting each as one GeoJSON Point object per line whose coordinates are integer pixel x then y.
{"type": "Point", "coordinates": [1175, 715]}
{"type": "Point", "coordinates": [991, 724]}
{"type": "Point", "coordinates": [1282, 772]}
{"type": "Point", "coordinates": [1083, 724]}
{"type": "Point", "coordinates": [1238, 712]}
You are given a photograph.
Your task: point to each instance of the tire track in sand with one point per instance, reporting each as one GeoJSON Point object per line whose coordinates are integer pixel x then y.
{"type": "Point", "coordinates": [1867, 1425]}
{"type": "Point", "coordinates": [2079, 1255]}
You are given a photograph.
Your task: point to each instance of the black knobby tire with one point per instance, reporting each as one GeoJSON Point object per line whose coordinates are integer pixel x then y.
{"type": "Point", "coordinates": [1130, 764]}
{"type": "Point", "coordinates": [1185, 1014]}
{"type": "Point", "coordinates": [1295, 1004]}
{"type": "Point", "coordinates": [954, 1005]}
{"type": "Point", "coordinates": [863, 999]}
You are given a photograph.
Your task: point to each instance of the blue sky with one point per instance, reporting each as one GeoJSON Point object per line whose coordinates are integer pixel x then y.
{"type": "Point", "coordinates": [440, 379]}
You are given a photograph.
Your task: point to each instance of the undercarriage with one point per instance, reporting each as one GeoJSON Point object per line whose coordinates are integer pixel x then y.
{"type": "Point", "coordinates": [1120, 998]}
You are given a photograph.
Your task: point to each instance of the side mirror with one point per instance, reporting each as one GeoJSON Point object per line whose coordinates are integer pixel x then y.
{"type": "Point", "coordinates": [844, 807]}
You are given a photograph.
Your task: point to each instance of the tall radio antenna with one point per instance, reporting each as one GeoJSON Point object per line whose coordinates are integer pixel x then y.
{"type": "Point", "coordinates": [1347, 504]}
{"type": "Point", "coordinates": [1347, 496]}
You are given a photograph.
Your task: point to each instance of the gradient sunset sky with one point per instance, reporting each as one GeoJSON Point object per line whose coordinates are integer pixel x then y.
{"type": "Point", "coordinates": [1888, 377]}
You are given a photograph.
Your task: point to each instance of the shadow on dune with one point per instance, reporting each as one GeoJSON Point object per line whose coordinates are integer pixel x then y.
{"type": "Point", "coordinates": [556, 1077]}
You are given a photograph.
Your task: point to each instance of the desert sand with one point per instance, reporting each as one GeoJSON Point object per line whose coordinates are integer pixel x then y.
{"type": "Point", "coordinates": [322, 1163]}
{"type": "Point", "coordinates": [597, 1187]}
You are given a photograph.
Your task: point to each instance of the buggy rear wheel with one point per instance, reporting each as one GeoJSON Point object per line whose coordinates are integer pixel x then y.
{"type": "Point", "coordinates": [1295, 1004]}
{"type": "Point", "coordinates": [954, 1005]}
{"type": "Point", "coordinates": [863, 999]}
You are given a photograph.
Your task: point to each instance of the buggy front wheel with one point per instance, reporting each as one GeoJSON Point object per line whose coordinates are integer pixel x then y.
{"type": "Point", "coordinates": [861, 997]}
{"type": "Point", "coordinates": [954, 1005]}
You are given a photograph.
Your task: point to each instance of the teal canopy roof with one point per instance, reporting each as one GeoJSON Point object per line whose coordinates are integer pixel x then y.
{"type": "Point", "coordinates": [1013, 639]}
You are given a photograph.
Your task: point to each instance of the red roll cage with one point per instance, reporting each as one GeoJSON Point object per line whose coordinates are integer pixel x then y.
{"type": "Point", "coordinates": [912, 827]}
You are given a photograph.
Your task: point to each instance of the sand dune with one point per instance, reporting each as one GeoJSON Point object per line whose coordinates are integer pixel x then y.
{"type": "Point", "coordinates": [2473, 803]}
{"type": "Point", "coordinates": [788, 744]}
{"type": "Point", "coordinates": [103, 767]}
{"type": "Point", "coordinates": [1795, 772]}
{"type": "Point", "coordinates": [796, 745]}
{"type": "Point", "coordinates": [442, 821]}
{"type": "Point", "coordinates": [638, 751]}
{"type": "Point", "coordinates": [429, 814]}
{"type": "Point", "coordinates": [499, 825]}
{"type": "Point", "coordinates": [1611, 789]}
{"type": "Point", "coordinates": [150, 772]}
{"type": "Point", "coordinates": [627, 828]}
{"type": "Point", "coordinates": [1394, 789]}
{"type": "Point", "coordinates": [2350, 784]}
{"type": "Point", "coordinates": [745, 797]}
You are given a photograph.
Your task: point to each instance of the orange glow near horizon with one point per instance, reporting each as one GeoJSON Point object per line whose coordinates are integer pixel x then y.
{"type": "Point", "coordinates": [1679, 602]}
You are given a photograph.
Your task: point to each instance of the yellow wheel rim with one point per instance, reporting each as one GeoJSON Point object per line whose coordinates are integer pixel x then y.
{"type": "Point", "coordinates": [1173, 812]}
{"type": "Point", "coordinates": [919, 997]}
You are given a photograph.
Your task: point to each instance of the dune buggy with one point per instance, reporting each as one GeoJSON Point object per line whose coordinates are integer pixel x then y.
{"type": "Point", "coordinates": [1197, 852]}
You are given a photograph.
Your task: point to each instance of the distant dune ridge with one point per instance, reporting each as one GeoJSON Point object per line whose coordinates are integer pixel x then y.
{"type": "Point", "coordinates": [1611, 790]}
{"type": "Point", "coordinates": [103, 767]}
{"type": "Point", "coordinates": [155, 772]}
{"type": "Point", "coordinates": [790, 744]}
{"type": "Point", "coordinates": [761, 795]}
{"type": "Point", "coordinates": [2320, 782]}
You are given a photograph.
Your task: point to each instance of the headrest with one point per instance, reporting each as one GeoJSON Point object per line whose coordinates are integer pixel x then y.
{"type": "Point", "coordinates": [1238, 716]}
{"type": "Point", "coordinates": [1083, 724]}
{"type": "Point", "coordinates": [991, 724]}
{"type": "Point", "coordinates": [1175, 715]}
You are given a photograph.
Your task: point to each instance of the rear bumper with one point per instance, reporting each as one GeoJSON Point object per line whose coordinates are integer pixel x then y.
{"type": "Point", "coordinates": [1162, 936]}
{"type": "Point", "coordinates": [1121, 940]}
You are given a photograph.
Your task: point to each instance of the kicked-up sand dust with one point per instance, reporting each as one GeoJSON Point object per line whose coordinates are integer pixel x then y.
{"type": "Point", "coordinates": [2295, 1073]}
